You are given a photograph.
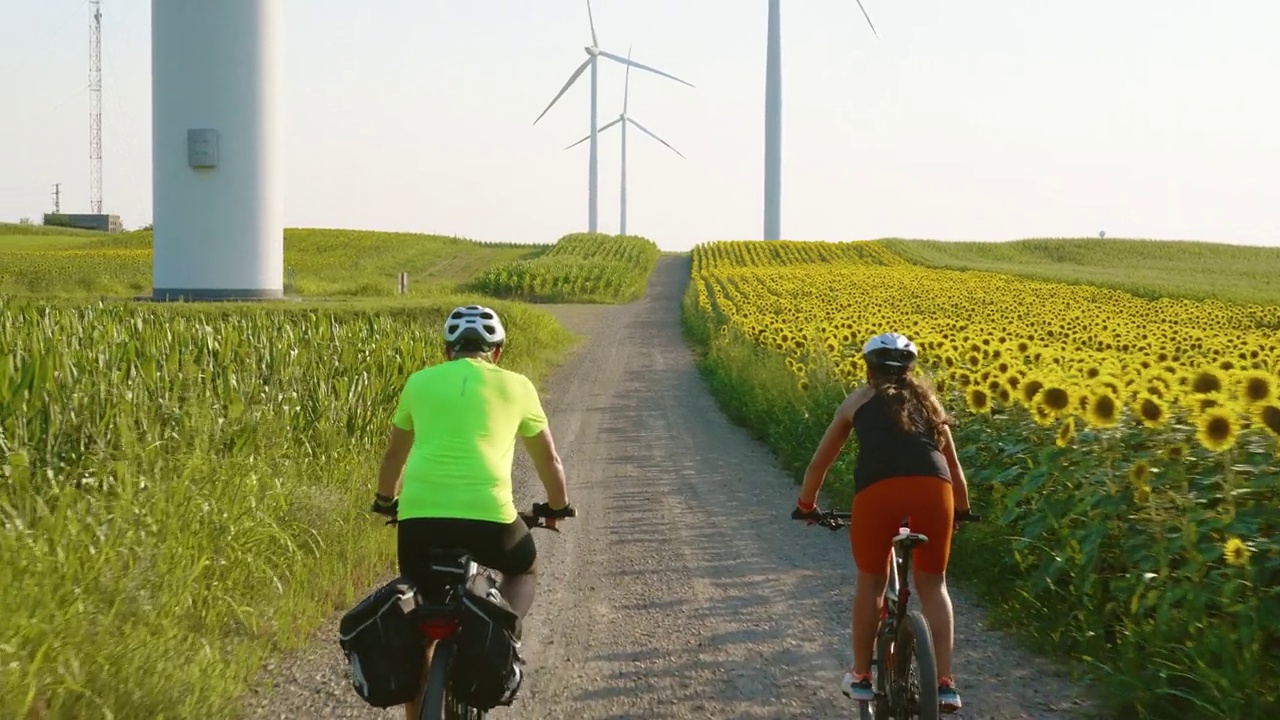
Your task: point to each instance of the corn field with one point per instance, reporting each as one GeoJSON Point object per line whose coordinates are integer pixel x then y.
{"type": "Point", "coordinates": [184, 489]}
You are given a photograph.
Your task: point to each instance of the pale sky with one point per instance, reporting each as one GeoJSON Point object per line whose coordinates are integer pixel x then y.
{"type": "Point", "coordinates": [975, 120]}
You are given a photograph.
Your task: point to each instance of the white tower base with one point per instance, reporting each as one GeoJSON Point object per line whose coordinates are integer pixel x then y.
{"type": "Point", "coordinates": [215, 90]}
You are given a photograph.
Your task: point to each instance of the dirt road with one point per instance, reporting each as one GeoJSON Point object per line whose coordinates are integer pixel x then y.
{"type": "Point", "coordinates": [682, 590]}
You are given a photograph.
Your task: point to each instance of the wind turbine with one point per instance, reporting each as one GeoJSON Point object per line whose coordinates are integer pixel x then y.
{"type": "Point", "coordinates": [623, 119]}
{"type": "Point", "coordinates": [594, 53]}
{"type": "Point", "coordinates": [773, 120]}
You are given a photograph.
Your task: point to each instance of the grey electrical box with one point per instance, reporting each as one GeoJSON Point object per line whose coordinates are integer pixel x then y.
{"type": "Point", "coordinates": [202, 148]}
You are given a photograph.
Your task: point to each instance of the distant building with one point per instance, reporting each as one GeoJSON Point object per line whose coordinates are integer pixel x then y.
{"type": "Point", "coordinates": [102, 223]}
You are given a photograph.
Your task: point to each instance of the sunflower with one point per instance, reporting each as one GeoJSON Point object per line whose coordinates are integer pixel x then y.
{"type": "Point", "coordinates": [1041, 413]}
{"type": "Point", "coordinates": [1139, 472]}
{"type": "Point", "coordinates": [1203, 402]}
{"type": "Point", "coordinates": [1066, 432]}
{"type": "Point", "coordinates": [1152, 410]}
{"type": "Point", "coordinates": [978, 400]}
{"type": "Point", "coordinates": [1217, 429]}
{"type": "Point", "coordinates": [1176, 452]}
{"type": "Point", "coordinates": [1004, 395]}
{"type": "Point", "coordinates": [1269, 416]}
{"type": "Point", "coordinates": [1235, 552]}
{"type": "Point", "coordinates": [1056, 398]}
{"type": "Point", "coordinates": [1080, 401]}
{"type": "Point", "coordinates": [1142, 495]}
{"type": "Point", "coordinates": [1256, 387]}
{"type": "Point", "coordinates": [1104, 410]}
{"type": "Point", "coordinates": [1206, 381]}
{"type": "Point", "coordinates": [1029, 388]}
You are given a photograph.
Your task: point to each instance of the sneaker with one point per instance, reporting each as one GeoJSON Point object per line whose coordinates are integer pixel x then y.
{"type": "Point", "coordinates": [948, 698]}
{"type": "Point", "coordinates": [858, 688]}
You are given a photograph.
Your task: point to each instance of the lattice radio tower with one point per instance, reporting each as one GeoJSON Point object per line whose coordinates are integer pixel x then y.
{"type": "Point", "coordinates": [95, 109]}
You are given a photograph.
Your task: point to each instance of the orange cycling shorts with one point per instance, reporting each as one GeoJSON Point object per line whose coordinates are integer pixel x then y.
{"type": "Point", "coordinates": [879, 507]}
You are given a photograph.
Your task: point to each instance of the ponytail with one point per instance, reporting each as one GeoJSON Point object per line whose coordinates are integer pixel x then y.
{"type": "Point", "coordinates": [911, 403]}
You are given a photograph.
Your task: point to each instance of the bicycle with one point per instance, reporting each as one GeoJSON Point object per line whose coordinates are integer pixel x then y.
{"type": "Point", "coordinates": [439, 616]}
{"type": "Point", "coordinates": [903, 634]}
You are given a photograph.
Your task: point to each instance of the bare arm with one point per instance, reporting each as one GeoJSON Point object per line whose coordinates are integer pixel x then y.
{"type": "Point", "coordinates": [398, 445]}
{"type": "Point", "coordinates": [829, 447]}
{"type": "Point", "coordinates": [959, 486]}
{"type": "Point", "coordinates": [542, 449]}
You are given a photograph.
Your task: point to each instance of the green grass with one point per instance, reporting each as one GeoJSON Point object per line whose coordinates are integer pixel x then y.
{"type": "Point", "coordinates": [184, 488]}
{"type": "Point", "coordinates": [49, 231]}
{"type": "Point", "coordinates": [1147, 268]}
{"type": "Point", "coordinates": [581, 267]}
{"type": "Point", "coordinates": [37, 261]}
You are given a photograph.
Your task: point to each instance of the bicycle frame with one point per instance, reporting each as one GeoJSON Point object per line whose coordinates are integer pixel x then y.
{"type": "Point", "coordinates": [893, 611]}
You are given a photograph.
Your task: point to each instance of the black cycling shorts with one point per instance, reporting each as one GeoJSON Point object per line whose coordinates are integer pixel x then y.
{"type": "Point", "coordinates": [507, 548]}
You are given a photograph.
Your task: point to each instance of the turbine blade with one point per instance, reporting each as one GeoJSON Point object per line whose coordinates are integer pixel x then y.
{"type": "Point", "coordinates": [626, 85]}
{"type": "Point", "coordinates": [646, 131]}
{"type": "Point", "coordinates": [591, 19]}
{"type": "Point", "coordinates": [868, 17]}
{"type": "Point", "coordinates": [633, 63]}
{"type": "Point", "coordinates": [572, 77]}
{"type": "Point", "coordinates": [601, 129]}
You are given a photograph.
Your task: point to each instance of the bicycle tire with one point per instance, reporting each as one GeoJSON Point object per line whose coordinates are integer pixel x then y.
{"type": "Point", "coordinates": [915, 641]}
{"type": "Point", "coordinates": [883, 676]}
{"type": "Point", "coordinates": [438, 702]}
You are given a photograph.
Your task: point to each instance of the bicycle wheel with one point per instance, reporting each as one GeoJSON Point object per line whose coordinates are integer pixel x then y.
{"type": "Point", "coordinates": [438, 702]}
{"type": "Point", "coordinates": [883, 676]}
{"type": "Point", "coordinates": [915, 690]}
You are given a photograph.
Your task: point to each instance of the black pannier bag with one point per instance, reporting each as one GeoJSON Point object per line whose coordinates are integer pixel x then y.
{"type": "Point", "coordinates": [485, 661]}
{"type": "Point", "coordinates": [383, 645]}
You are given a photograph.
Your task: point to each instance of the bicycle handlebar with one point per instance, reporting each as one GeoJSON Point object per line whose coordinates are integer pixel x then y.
{"type": "Point", "coordinates": [542, 516]}
{"type": "Point", "coordinates": [836, 520]}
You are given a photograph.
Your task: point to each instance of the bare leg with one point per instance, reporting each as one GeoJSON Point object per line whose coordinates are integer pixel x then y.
{"type": "Point", "coordinates": [411, 708]}
{"type": "Point", "coordinates": [868, 596]}
{"type": "Point", "coordinates": [936, 603]}
{"type": "Point", "coordinates": [519, 590]}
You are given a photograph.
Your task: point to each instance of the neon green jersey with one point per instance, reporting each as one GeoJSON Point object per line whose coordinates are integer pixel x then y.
{"type": "Point", "coordinates": [464, 415]}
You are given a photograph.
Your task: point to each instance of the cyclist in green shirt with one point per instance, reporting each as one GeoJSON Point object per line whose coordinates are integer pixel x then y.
{"type": "Point", "coordinates": [450, 454]}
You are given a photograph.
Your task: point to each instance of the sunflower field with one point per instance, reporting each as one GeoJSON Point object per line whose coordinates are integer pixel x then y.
{"type": "Point", "coordinates": [1123, 448]}
{"type": "Point", "coordinates": [581, 267]}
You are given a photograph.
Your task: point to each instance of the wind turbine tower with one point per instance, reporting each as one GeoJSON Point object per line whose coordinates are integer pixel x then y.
{"type": "Point", "coordinates": [622, 120]}
{"type": "Point", "coordinates": [95, 109]}
{"type": "Point", "coordinates": [773, 120]}
{"type": "Point", "coordinates": [215, 96]}
{"type": "Point", "coordinates": [594, 53]}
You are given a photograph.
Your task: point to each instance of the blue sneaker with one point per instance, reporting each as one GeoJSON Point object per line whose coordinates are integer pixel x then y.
{"type": "Point", "coordinates": [858, 688]}
{"type": "Point", "coordinates": [948, 698]}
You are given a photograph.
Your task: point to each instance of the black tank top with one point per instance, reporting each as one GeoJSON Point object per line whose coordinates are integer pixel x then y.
{"type": "Point", "coordinates": [884, 451]}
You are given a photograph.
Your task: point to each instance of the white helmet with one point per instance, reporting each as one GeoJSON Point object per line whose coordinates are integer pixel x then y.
{"type": "Point", "coordinates": [474, 323]}
{"type": "Point", "coordinates": [890, 349]}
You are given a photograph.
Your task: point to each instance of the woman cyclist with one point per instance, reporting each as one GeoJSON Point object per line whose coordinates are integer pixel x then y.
{"type": "Point", "coordinates": [453, 438]}
{"type": "Point", "coordinates": [906, 467]}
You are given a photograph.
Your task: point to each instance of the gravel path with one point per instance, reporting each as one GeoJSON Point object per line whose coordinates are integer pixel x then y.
{"type": "Point", "coordinates": [682, 590]}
